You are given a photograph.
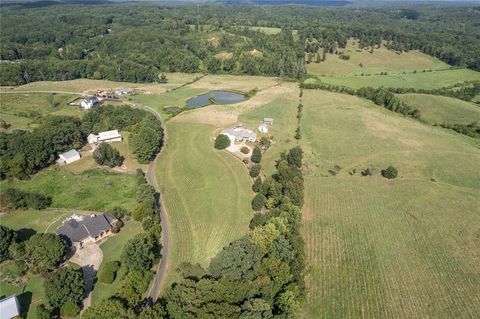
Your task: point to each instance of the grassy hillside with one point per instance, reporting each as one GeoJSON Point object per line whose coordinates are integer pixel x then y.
{"type": "Point", "coordinates": [388, 249]}
{"type": "Point", "coordinates": [419, 80]}
{"type": "Point", "coordinates": [442, 109]}
{"type": "Point", "coordinates": [24, 110]}
{"type": "Point", "coordinates": [381, 60]}
{"type": "Point", "coordinates": [206, 193]}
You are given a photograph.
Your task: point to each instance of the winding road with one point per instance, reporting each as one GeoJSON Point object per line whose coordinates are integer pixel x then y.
{"type": "Point", "coordinates": [162, 268]}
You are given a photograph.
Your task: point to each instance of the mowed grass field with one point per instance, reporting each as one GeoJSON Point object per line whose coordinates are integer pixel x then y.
{"type": "Point", "coordinates": [95, 190]}
{"type": "Point", "coordinates": [23, 110]}
{"type": "Point", "coordinates": [206, 193]}
{"type": "Point", "coordinates": [442, 109]}
{"type": "Point", "coordinates": [405, 248]}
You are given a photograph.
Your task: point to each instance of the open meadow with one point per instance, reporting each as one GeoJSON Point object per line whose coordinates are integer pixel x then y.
{"type": "Point", "coordinates": [24, 110]}
{"type": "Point", "coordinates": [443, 109]}
{"type": "Point", "coordinates": [378, 248]}
{"type": "Point", "coordinates": [95, 189]}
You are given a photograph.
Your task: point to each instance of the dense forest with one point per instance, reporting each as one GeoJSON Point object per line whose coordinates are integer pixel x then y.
{"type": "Point", "coordinates": [136, 41]}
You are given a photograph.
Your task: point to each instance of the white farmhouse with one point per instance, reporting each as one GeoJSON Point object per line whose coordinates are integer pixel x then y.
{"type": "Point", "coordinates": [105, 137]}
{"type": "Point", "coordinates": [240, 134]}
{"type": "Point", "coordinates": [68, 157]}
{"type": "Point", "coordinates": [9, 308]}
{"type": "Point", "coordinates": [89, 102]}
{"type": "Point", "coordinates": [263, 128]}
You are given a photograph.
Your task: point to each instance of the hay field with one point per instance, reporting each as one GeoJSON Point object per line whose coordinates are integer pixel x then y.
{"type": "Point", "coordinates": [442, 109]}
{"type": "Point", "coordinates": [406, 248]}
{"type": "Point", "coordinates": [206, 194]}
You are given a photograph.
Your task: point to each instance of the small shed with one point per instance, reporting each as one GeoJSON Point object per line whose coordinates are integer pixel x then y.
{"type": "Point", "coordinates": [9, 307]}
{"type": "Point", "coordinates": [89, 102]}
{"type": "Point", "coordinates": [92, 138]}
{"type": "Point", "coordinates": [268, 120]}
{"type": "Point", "coordinates": [263, 128]}
{"type": "Point", "coordinates": [68, 157]}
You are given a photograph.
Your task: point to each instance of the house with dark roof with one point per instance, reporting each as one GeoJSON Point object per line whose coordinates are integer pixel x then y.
{"type": "Point", "coordinates": [79, 229]}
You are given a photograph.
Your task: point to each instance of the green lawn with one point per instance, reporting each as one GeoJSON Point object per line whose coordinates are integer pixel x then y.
{"type": "Point", "coordinates": [283, 111]}
{"type": "Point", "coordinates": [95, 189]}
{"type": "Point", "coordinates": [38, 220]}
{"type": "Point", "coordinates": [443, 110]}
{"type": "Point", "coordinates": [24, 110]}
{"type": "Point", "coordinates": [388, 249]}
{"type": "Point", "coordinates": [206, 192]}
{"type": "Point", "coordinates": [419, 80]}
{"type": "Point", "coordinates": [112, 250]}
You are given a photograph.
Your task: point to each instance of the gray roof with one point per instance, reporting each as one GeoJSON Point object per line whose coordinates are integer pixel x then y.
{"type": "Point", "coordinates": [92, 99]}
{"type": "Point", "coordinates": [240, 133]}
{"type": "Point", "coordinates": [70, 154]}
{"type": "Point", "coordinates": [89, 226]}
{"type": "Point", "coordinates": [9, 307]}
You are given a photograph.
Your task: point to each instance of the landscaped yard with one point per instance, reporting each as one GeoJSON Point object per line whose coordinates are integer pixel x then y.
{"type": "Point", "coordinates": [112, 250]}
{"type": "Point", "coordinates": [387, 249]}
{"type": "Point", "coordinates": [95, 189]}
{"type": "Point", "coordinates": [40, 221]}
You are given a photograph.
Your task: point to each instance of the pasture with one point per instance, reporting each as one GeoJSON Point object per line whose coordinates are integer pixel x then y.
{"type": "Point", "coordinates": [419, 80]}
{"type": "Point", "coordinates": [95, 189]}
{"type": "Point", "coordinates": [206, 193]}
{"type": "Point", "coordinates": [24, 110]}
{"type": "Point", "coordinates": [377, 248]}
{"type": "Point", "coordinates": [442, 109]}
{"type": "Point", "coordinates": [381, 60]}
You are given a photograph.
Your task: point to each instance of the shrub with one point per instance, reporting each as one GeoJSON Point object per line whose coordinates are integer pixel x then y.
{"type": "Point", "coordinates": [222, 141]}
{"type": "Point", "coordinates": [257, 185]}
{"type": "Point", "coordinates": [43, 312]}
{"type": "Point", "coordinates": [119, 212]}
{"type": "Point", "coordinates": [265, 142]}
{"type": "Point", "coordinates": [107, 155]}
{"type": "Point", "coordinates": [390, 173]}
{"type": "Point", "coordinates": [15, 198]}
{"type": "Point", "coordinates": [7, 238]}
{"type": "Point", "coordinates": [256, 155]}
{"type": "Point", "coordinates": [368, 172]}
{"type": "Point", "coordinates": [245, 150]}
{"type": "Point", "coordinates": [109, 272]}
{"type": "Point", "coordinates": [258, 202]}
{"type": "Point", "coordinates": [69, 310]}
{"type": "Point", "coordinates": [255, 170]}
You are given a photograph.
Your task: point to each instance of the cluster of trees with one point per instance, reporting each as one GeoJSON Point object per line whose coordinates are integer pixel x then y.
{"type": "Point", "coordinates": [15, 199]}
{"type": "Point", "coordinates": [43, 253]}
{"type": "Point", "coordinates": [107, 155]}
{"type": "Point", "coordinates": [298, 133]}
{"type": "Point", "coordinates": [23, 153]}
{"type": "Point", "coordinates": [380, 96]}
{"type": "Point", "coordinates": [472, 129]}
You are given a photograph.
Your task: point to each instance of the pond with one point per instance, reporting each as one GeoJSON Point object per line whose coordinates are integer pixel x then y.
{"type": "Point", "coordinates": [220, 97]}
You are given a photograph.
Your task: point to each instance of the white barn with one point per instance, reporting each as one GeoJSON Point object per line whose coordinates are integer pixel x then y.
{"type": "Point", "coordinates": [9, 308]}
{"type": "Point", "coordinates": [105, 137]}
{"type": "Point", "coordinates": [68, 157]}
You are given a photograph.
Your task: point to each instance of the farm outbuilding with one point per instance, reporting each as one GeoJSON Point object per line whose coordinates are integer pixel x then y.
{"type": "Point", "coordinates": [68, 157]}
{"type": "Point", "coordinates": [89, 102]}
{"type": "Point", "coordinates": [9, 308]}
{"type": "Point", "coordinates": [105, 137]}
{"type": "Point", "coordinates": [263, 128]}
